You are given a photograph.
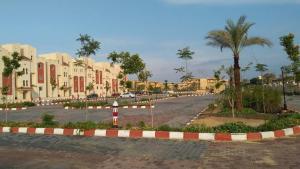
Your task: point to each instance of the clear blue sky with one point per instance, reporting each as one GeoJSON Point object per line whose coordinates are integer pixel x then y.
{"type": "Point", "coordinates": [153, 28]}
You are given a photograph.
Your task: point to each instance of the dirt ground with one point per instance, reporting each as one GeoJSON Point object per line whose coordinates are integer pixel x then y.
{"type": "Point", "coordinates": [216, 121]}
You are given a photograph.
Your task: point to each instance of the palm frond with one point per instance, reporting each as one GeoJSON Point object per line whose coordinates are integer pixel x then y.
{"type": "Point", "coordinates": [256, 41]}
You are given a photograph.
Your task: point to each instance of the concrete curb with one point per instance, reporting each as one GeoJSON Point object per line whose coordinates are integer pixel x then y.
{"type": "Point", "coordinates": [14, 109]}
{"type": "Point", "coordinates": [169, 135]}
{"type": "Point", "coordinates": [110, 107]}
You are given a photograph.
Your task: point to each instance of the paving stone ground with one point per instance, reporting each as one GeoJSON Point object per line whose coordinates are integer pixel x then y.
{"type": "Point", "coordinates": [22, 151]}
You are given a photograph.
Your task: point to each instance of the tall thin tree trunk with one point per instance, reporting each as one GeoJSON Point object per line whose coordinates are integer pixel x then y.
{"type": "Point", "coordinates": [6, 111]}
{"type": "Point", "coordinates": [237, 83]}
{"type": "Point", "coordinates": [85, 91]}
{"type": "Point", "coordinates": [186, 67]}
{"type": "Point", "coordinates": [263, 93]}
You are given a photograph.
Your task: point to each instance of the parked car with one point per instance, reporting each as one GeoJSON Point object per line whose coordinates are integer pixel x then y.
{"type": "Point", "coordinates": [127, 95]}
{"type": "Point", "coordinates": [92, 96]}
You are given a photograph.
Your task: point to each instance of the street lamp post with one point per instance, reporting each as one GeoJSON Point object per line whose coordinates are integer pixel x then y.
{"type": "Point", "coordinates": [283, 89]}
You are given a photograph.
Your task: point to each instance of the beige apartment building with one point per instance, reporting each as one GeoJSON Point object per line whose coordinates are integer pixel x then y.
{"type": "Point", "coordinates": [199, 85]}
{"type": "Point", "coordinates": [56, 75]}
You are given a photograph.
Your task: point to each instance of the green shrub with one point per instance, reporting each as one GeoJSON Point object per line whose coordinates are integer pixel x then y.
{"type": "Point", "coordinates": [253, 98]}
{"type": "Point", "coordinates": [80, 104]}
{"type": "Point", "coordinates": [17, 105]}
{"type": "Point", "coordinates": [198, 128]}
{"type": "Point", "coordinates": [128, 126]}
{"type": "Point", "coordinates": [279, 123]}
{"type": "Point", "coordinates": [237, 127]}
{"type": "Point", "coordinates": [164, 127]}
{"type": "Point", "coordinates": [81, 125]}
{"type": "Point", "coordinates": [141, 124]}
{"type": "Point", "coordinates": [48, 120]}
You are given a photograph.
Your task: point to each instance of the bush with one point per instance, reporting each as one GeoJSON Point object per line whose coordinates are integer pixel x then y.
{"type": "Point", "coordinates": [164, 127]}
{"type": "Point", "coordinates": [141, 124]}
{"type": "Point", "coordinates": [80, 104]}
{"type": "Point", "coordinates": [81, 125]}
{"type": "Point", "coordinates": [198, 128]}
{"type": "Point", "coordinates": [279, 123]}
{"type": "Point", "coordinates": [17, 105]}
{"type": "Point", "coordinates": [253, 98]}
{"type": "Point", "coordinates": [48, 120]}
{"type": "Point", "coordinates": [237, 127]}
{"type": "Point", "coordinates": [128, 126]}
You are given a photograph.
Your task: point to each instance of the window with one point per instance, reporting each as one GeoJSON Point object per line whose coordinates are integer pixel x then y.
{"type": "Point", "coordinates": [26, 82]}
{"type": "Point", "coordinates": [23, 82]}
{"type": "Point", "coordinates": [26, 71]}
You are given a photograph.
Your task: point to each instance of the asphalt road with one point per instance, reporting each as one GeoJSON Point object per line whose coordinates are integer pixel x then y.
{"type": "Point", "coordinates": [175, 112]}
{"type": "Point", "coordinates": [60, 152]}
{"type": "Point", "coordinates": [293, 103]}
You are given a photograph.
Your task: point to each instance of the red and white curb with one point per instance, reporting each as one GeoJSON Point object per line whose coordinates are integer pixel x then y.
{"type": "Point", "coordinates": [110, 107]}
{"type": "Point", "coordinates": [14, 109]}
{"type": "Point", "coordinates": [156, 134]}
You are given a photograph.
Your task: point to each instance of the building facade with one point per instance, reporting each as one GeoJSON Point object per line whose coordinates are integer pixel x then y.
{"type": "Point", "coordinates": [56, 75]}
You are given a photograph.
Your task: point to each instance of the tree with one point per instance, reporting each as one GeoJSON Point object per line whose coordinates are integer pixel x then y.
{"type": "Point", "coordinates": [293, 53]}
{"type": "Point", "coordinates": [186, 54]}
{"type": "Point", "coordinates": [166, 87]}
{"type": "Point", "coordinates": [130, 64]}
{"type": "Point", "coordinates": [262, 68]}
{"type": "Point", "coordinates": [143, 76]}
{"type": "Point", "coordinates": [89, 47]}
{"type": "Point", "coordinates": [11, 66]}
{"type": "Point", "coordinates": [89, 87]}
{"type": "Point", "coordinates": [229, 92]}
{"type": "Point", "coordinates": [107, 87]}
{"type": "Point", "coordinates": [4, 92]}
{"type": "Point", "coordinates": [53, 85]}
{"type": "Point", "coordinates": [235, 37]}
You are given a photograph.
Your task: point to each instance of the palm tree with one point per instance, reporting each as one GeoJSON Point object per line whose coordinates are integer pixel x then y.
{"type": "Point", "coordinates": [235, 37]}
{"type": "Point", "coordinates": [185, 54]}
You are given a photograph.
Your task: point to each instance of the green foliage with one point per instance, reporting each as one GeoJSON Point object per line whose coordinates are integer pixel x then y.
{"type": "Point", "coordinates": [144, 75]}
{"type": "Point", "coordinates": [279, 123]}
{"type": "Point", "coordinates": [89, 46]}
{"type": "Point", "coordinates": [17, 105]}
{"type": "Point", "coordinates": [80, 104]}
{"type": "Point", "coordinates": [141, 124]}
{"type": "Point", "coordinates": [128, 84]}
{"type": "Point", "coordinates": [130, 64]}
{"type": "Point", "coordinates": [237, 127]}
{"type": "Point", "coordinates": [4, 90]}
{"type": "Point", "coordinates": [48, 120]}
{"type": "Point", "coordinates": [198, 128]}
{"type": "Point", "coordinates": [89, 87]}
{"type": "Point", "coordinates": [128, 126]}
{"type": "Point", "coordinates": [252, 98]}
{"type": "Point", "coordinates": [81, 125]}
{"type": "Point", "coordinates": [11, 64]}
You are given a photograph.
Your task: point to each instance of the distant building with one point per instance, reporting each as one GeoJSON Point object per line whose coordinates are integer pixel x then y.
{"type": "Point", "coordinates": [55, 75]}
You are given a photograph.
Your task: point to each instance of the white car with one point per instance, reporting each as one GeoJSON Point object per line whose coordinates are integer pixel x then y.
{"type": "Point", "coordinates": [127, 95]}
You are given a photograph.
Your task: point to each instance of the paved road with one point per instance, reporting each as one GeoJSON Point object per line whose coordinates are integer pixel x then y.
{"type": "Point", "coordinates": [294, 102]}
{"type": "Point", "coordinates": [60, 152]}
{"type": "Point", "coordinates": [175, 112]}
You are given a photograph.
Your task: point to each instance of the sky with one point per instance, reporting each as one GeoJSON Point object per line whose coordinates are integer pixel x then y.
{"type": "Point", "coordinates": [155, 29]}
